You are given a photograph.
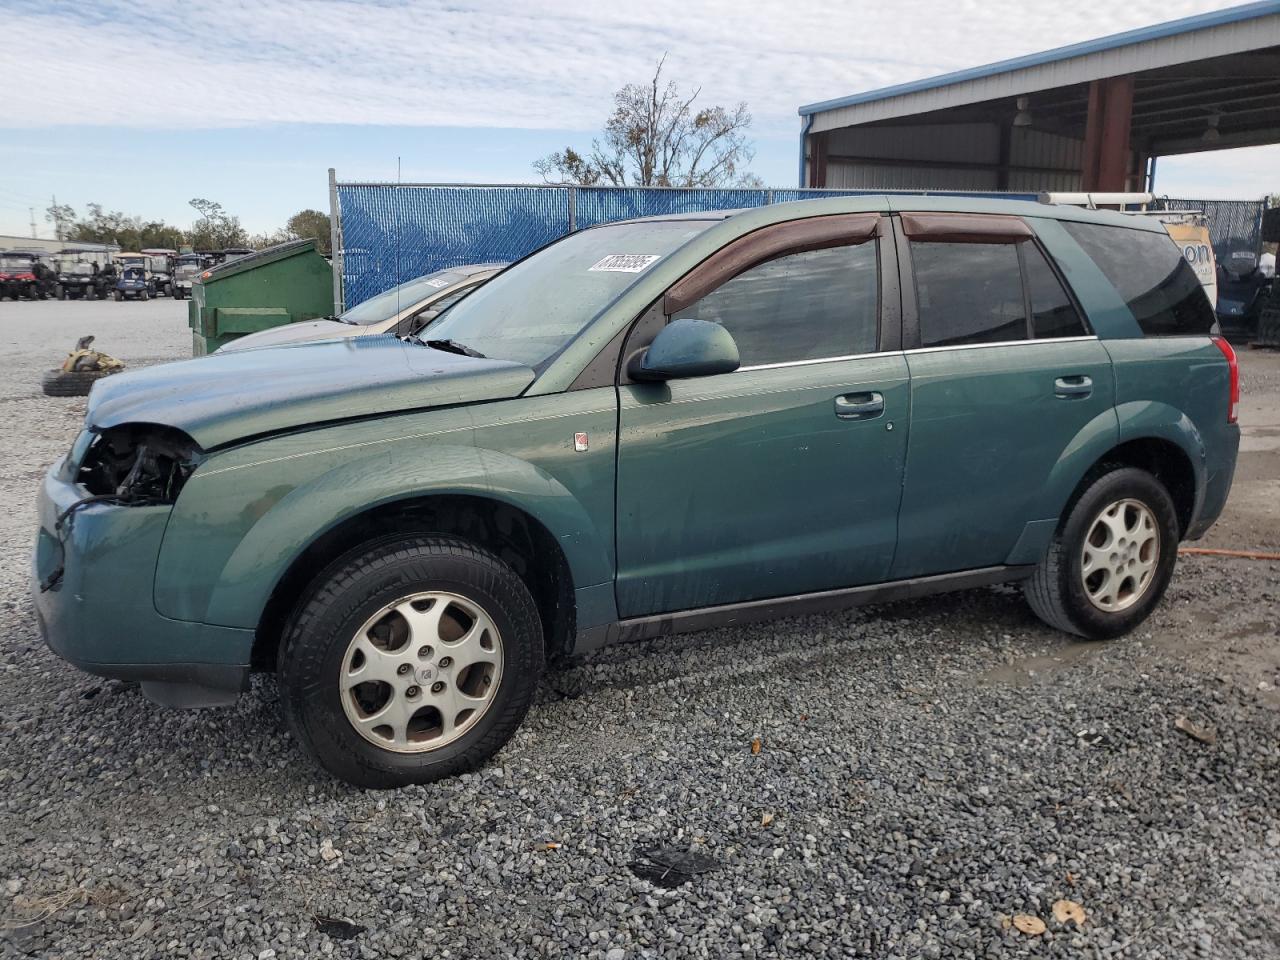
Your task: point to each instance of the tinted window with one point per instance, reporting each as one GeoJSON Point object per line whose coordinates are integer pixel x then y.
{"type": "Point", "coordinates": [1052, 312]}
{"type": "Point", "coordinates": [822, 303]}
{"type": "Point", "coordinates": [1151, 275]}
{"type": "Point", "coordinates": [968, 293]}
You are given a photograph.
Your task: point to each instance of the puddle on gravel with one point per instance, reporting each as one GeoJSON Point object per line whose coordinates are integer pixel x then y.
{"type": "Point", "coordinates": [1034, 669]}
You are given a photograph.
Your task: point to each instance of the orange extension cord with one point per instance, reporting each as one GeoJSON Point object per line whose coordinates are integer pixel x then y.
{"type": "Point", "coordinates": [1244, 554]}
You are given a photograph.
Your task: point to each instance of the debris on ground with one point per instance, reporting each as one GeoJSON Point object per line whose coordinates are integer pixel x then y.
{"type": "Point", "coordinates": [1195, 732]}
{"type": "Point", "coordinates": [337, 928]}
{"type": "Point", "coordinates": [83, 359]}
{"type": "Point", "coordinates": [1068, 911]}
{"type": "Point", "coordinates": [671, 867]}
{"type": "Point", "coordinates": [1031, 926]}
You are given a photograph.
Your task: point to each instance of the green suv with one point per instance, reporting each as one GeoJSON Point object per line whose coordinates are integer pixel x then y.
{"type": "Point", "coordinates": [645, 427]}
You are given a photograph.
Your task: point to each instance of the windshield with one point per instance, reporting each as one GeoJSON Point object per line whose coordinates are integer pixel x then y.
{"type": "Point", "coordinates": [386, 305]}
{"type": "Point", "coordinates": [18, 264]}
{"type": "Point", "coordinates": [534, 309]}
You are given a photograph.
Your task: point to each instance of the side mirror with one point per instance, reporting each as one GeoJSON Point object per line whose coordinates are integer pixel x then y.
{"type": "Point", "coordinates": [686, 348]}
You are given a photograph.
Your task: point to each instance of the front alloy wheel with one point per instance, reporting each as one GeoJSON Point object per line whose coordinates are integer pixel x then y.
{"type": "Point", "coordinates": [410, 659]}
{"type": "Point", "coordinates": [421, 672]}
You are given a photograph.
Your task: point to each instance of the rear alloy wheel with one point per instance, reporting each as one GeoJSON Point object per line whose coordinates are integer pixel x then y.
{"type": "Point", "coordinates": [410, 659]}
{"type": "Point", "coordinates": [1112, 559]}
{"type": "Point", "coordinates": [1119, 555]}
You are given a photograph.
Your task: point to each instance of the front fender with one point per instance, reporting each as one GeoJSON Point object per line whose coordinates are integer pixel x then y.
{"type": "Point", "coordinates": [204, 576]}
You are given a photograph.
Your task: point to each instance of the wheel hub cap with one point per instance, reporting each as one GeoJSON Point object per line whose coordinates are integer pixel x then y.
{"type": "Point", "coordinates": [1120, 555]}
{"type": "Point", "coordinates": [421, 672]}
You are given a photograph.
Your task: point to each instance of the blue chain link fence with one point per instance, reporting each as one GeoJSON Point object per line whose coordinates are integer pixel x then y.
{"type": "Point", "coordinates": [391, 232]}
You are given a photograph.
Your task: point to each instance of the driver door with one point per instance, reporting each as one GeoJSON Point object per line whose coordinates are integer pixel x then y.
{"type": "Point", "coordinates": [783, 477]}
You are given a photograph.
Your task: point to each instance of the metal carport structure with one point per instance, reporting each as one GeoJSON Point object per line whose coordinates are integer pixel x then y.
{"type": "Point", "coordinates": [1091, 116]}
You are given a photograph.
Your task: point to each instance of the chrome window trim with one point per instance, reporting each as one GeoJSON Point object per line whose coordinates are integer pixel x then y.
{"type": "Point", "coordinates": [885, 353]}
{"type": "Point", "coordinates": [805, 363]}
{"type": "Point", "coordinates": [1001, 343]}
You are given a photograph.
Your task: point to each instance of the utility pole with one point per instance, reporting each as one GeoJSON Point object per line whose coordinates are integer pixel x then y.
{"type": "Point", "coordinates": [33, 222]}
{"type": "Point", "coordinates": [57, 223]}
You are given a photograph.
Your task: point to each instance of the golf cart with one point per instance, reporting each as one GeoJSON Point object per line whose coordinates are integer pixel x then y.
{"type": "Point", "coordinates": [186, 269]}
{"type": "Point", "coordinates": [76, 280]}
{"type": "Point", "coordinates": [160, 263]}
{"type": "Point", "coordinates": [24, 274]}
{"type": "Point", "coordinates": [134, 285]}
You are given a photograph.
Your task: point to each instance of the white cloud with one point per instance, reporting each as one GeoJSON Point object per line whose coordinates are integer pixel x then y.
{"type": "Point", "coordinates": [545, 65]}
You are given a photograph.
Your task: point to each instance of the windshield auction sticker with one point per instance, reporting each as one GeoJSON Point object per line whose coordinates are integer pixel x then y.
{"type": "Point", "coordinates": [625, 262]}
{"type": "Point", "coordinates": [439, 283]}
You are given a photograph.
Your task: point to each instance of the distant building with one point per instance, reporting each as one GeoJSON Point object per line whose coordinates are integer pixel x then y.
{"type": "Point", "coordinates": [1091, 116]}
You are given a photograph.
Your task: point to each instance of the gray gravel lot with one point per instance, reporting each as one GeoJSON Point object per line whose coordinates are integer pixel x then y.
{"type": "Point", "coordinates": [926, 772]}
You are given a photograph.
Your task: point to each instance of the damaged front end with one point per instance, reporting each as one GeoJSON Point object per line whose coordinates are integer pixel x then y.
{"type": "Point", "coordinates": [138, 463]}
{"type": "Point", "coordinates": [132, 465]}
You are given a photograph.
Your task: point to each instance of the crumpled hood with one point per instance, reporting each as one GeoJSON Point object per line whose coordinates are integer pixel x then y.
{"type": "Point", "coordinates": [295, 333]}
{"type": "Point", "coordinates": [222, 398]}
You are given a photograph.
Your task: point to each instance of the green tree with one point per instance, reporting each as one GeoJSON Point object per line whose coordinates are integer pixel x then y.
{"type": "Point", "coordinates": [63, 218]}
{"type": "Point", "coordinates": [216, 228]}
{"type": "Point", "coordinates": [656, 137]}
{"type": "Point", "coordinates": [311, 225]}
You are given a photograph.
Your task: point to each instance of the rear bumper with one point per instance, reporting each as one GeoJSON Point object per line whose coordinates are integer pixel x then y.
{"type": "Point", "coordinates": [92, 585]}
{"type": "Point", "coordinates": [1217, 483]}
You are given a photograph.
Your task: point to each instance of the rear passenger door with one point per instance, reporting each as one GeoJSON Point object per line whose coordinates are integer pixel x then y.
{"type": "Point", "coordinates": [1005, 376]}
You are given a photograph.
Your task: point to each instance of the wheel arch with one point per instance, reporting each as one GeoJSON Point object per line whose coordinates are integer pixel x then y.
{"type": "Point", "coordinates": [1151, 436]}
{"type": "Point", "coordinates": [514, 535]}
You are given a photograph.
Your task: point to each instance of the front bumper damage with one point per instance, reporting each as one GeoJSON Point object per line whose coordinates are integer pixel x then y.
{"type": "Point", "coordinates": [93, 578]}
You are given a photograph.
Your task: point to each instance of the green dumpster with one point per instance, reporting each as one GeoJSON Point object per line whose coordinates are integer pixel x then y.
{"type": "Point", "coordinates": [287, 283]}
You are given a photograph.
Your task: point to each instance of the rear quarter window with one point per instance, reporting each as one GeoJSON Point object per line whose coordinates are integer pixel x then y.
{"type": "Point", "coordinates": [1150, 273]}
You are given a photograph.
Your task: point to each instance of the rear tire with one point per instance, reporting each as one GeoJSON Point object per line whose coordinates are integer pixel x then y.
{"type": "Point", "coordinates": [1130, 569]}
{"type": "Point", "coordinates": [349, 602]}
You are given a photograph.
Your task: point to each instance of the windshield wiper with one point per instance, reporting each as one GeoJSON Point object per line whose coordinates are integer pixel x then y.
{"type": "Point", "coordinates": [451, 346]}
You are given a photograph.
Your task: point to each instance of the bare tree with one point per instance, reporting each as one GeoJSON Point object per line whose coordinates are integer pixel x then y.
{"type": "Point", "coordinates": [655, 137]}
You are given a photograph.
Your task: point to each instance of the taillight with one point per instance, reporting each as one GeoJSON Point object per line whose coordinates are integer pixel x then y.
{"type": "Point", "coordinates": [1233, 407]}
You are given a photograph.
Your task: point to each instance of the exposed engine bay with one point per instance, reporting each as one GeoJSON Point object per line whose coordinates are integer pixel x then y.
{"type": "Point", "coordinates": [139, 463]}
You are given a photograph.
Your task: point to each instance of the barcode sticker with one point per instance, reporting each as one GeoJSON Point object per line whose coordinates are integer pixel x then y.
{"type": "Point", "coordinates": [625, 262]}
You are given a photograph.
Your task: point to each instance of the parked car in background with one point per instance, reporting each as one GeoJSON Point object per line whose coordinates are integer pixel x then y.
{"type": "Point", "coordinates": [186, 268]}
{"type": "Point", "coordinates": [646, 427]}
{"type": "Point", "coordinates": [134, 284]}
{"type": "Point", "coordinates": [402, 310]}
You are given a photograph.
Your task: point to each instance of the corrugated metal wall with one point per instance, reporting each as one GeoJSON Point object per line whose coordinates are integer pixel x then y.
{"type": "Point", "coordinates": [1038, 161]}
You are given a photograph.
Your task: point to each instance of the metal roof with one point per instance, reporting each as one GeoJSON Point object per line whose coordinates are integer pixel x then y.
{"type": "Point", "coordinates": [1160, 31]}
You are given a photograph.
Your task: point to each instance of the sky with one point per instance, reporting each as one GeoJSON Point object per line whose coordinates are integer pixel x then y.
{"type": "Point", "coordinates": [142, 105]}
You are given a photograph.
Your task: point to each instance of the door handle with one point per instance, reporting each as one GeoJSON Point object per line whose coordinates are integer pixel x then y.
{"type": "Point", "coordinates": [859, 406]}
{"type": "Point", "coordinates": [1075, 387]}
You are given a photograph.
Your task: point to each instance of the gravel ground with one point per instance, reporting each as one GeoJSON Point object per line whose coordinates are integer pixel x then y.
{"type": "Point", "coordinates": [926, 772]}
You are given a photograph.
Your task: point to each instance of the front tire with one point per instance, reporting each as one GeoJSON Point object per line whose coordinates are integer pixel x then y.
{"type": "Point", "coordinates": [410, 659]}
{"type": "Point", "coordinates": [1111, 559]}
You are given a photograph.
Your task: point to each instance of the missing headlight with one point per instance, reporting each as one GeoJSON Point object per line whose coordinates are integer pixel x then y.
{"type": "Point", "coordinates": [139, 463]}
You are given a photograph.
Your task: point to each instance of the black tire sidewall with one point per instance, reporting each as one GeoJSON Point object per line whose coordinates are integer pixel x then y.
{"type": "Point", "coordinates": [1124, 484]}
{"type": "Point", "coordinates": [342, 599]}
